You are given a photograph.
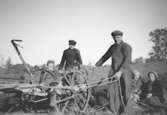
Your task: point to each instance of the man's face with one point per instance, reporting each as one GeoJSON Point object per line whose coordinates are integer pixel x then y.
{"type": "Point", "coordinates": [117, 39]}
{"type": "Point", "coordinates": [51, 66]}
{"type": "Point", "coordinates": [71, 46]}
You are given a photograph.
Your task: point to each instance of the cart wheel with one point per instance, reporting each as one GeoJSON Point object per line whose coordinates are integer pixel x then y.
{"type": "Point", "coordinates": [75, 77]}
{"type": "Point", "coordinates": [66, 107]}
{"type": "Point", "coordinates": [81, 98]}
{"type": "Point", "coordinates": [76, 103]}
{"type": "Point", "coordinates": [81, 101]}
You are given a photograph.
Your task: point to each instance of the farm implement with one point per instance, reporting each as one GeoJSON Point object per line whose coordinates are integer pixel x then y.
{"type": "Point", "coordinates": [70, 95]}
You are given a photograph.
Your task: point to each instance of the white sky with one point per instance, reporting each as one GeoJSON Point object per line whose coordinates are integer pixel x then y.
{"type": "Point", "coordinates": [45, 26]}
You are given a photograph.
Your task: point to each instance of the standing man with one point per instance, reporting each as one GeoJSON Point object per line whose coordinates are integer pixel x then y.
{"type": "Point", "coordinates": [120, 52]}
{"type": "Point", "coordinates": [71, 57]}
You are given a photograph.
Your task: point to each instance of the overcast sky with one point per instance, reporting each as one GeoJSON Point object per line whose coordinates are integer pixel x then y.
{"type": "Point", "coordinates": [45, 26]}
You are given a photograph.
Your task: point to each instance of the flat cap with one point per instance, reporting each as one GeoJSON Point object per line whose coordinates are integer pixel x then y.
{"type": "Point", "coordinates": [117, 33]}
{"type": "Point", "coordinates": [50, 61]}
{"type": "Point", "coordinates": [72, 42]}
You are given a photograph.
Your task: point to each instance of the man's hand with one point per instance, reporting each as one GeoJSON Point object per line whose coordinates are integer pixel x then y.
{"type": "Point", "coordinates": [99, 63]}
{"type": "Point", "coordinates": [149, 95]}
{"type": "Point", "coordinates": [118, 74]}
{"type": "Point", "coordinates": [60, 85]}
{"type": "Point", "coordinates": [135, 97]}
{"type": "Point", "coordinates": [61, 71]}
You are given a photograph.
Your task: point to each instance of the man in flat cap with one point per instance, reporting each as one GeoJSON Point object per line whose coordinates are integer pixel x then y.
{"type": "Point", "coordinates": [120, 52]}
{"type": "Point", "coordinates": [71, 57]}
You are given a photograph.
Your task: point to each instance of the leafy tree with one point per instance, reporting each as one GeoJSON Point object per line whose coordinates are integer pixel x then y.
{"type": "Point", "coordinates": [139, 60]}
{"type": "Point", "coordinates": [159, 49]}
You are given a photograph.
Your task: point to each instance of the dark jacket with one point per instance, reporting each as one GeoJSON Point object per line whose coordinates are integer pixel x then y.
{"type": "Point", "coordinates": [156, 89]}
{"type": "Point", "coordinates": [121, 56]}
{"type": "Point", "coordinates": [70, 58]}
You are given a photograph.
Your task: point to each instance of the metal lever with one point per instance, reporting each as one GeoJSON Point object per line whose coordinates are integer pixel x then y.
{"type": "Point", "coordinates": [21, 57]}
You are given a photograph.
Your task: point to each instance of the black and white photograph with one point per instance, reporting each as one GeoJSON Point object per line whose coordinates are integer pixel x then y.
{"type": "Point", "coordinates": [83, 57]}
